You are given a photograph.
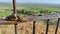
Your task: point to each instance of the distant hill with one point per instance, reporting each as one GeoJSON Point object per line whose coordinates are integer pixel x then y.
{"type": "Point", "coordinates": [5, 4]}
{"type": "Point", "coordinates": [42, 5]}
{"type": "Point", "coordinates": [31, 4]}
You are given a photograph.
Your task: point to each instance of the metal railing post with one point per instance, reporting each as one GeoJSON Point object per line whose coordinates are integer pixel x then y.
{"type": "Point", "coordinates": [15, 26]}
{"type": "Point", "coordinates": [14, 7]}
{"type": "Point", "coordinates": [57, 26]}
{"type": "Point", "coordinates": [34, 27]}
{"type": "Point", "coordinates": [47, 26]}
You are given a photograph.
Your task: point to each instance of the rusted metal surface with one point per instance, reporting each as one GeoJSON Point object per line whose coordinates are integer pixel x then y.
{"type": "Point", "coordinates": [14, 16]}
{"type": "Point", "coordinates": [14, 6]}
{"type": "Point", "coordinates": [34, 27]}
{"type": "Point", "coordinates": [34, 18]}
{"type": "Point", "coordinates": [7, 22]}
{"type": "Point", "coordinates": [57, 26]}
{"type": "Point", "coordinates": [15, 25]}
{"type": "Point", "coordinates": [47, 26]}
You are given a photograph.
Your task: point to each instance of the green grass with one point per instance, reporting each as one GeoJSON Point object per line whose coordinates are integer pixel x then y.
{"type": "Point", "coordinates": [39, 8]}
{"type": "Point", "coordinates": [35, 8]}
{"type": "Point", "coordinates": [5, 13]}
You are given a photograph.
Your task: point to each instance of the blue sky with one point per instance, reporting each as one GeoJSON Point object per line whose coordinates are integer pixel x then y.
{"type": "Point", "coordinates": [33, 1]}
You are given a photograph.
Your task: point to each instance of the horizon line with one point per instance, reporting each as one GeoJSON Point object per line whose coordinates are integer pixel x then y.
{"type": "Point", "coordinates": [31, 3]}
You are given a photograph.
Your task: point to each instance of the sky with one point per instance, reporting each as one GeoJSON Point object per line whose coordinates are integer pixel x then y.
{"type": "Point", "coordinates": [33, 1]}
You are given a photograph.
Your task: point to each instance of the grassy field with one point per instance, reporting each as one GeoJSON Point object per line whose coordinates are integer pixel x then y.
{"type": "Point", "coordinates": [5, 13]}
{"type": "Point", "coordinates": [38, 7]}
{"type": "Point", "coordinates": [33, 7]}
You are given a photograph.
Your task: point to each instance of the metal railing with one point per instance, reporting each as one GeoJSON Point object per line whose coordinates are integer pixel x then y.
{"type": "Point", "coordinates": [35, 19]}
{"type": "Point", "coordinates": [38, 18]}
{"type": "Point", "coordinates": [48, 19]}
{"type": "Point", "coordinates": [47, 26]}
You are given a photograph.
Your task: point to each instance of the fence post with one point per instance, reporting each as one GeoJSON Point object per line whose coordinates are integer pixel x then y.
{"type": "Point", "coordinates": [47, 26]}
{"type": "Point", "coordinates": [34, 27]}
{"type": "Point", "coordinates": [57, 26]}
{"type": "Point", "coordinates": [15, 26]}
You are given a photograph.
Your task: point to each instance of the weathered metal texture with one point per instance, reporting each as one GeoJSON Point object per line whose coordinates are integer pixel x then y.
{"type": "Point", "coordinates": [34, 18]}
{"type": "Point", "coordinates": [7, 22]}
{"type": "Point", "coordinates": [34, 27]}
{"type": "Point", "coordinates": [15, 25]}
{"type": "Point", "coordinates": [57, 26]}
{"type": "Point", "coordinates": [14, 6]}
{"type": "Point", "coordinates": [47, 26]}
